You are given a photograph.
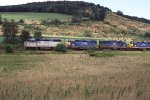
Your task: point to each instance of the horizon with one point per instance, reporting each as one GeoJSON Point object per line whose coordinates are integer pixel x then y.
{"type": "Point", "coordinates": [132, 8]}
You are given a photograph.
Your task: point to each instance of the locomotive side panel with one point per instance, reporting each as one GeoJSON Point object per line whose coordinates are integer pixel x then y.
{"type": "Point", "coordinates": [113, 45]}
{"type": "Point", "coordinates": [83, 44]}
{"type": "Point", "coordinates": [30, 44]}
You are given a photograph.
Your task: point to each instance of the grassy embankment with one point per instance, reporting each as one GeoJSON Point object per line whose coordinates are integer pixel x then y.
{"type": "Point", "coordinates": [77, 76]}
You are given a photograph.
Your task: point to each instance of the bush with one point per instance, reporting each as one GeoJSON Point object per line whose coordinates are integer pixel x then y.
{"type": "Point", "coordinates": [147, 35]}
{"type": "Point", "coordinates": [45, 22]}
{"type": "Point", "coordinates": [9, 49]}
{"type": "Point", "coordinates": [91, 49]}
{"type": "Point", "coordinates": [76, 19]}
{"type": "Point", "coordinates": [24, 36]}
{"type": "Point", "coordinates": [119, 13]}
{"type": "Point", "coordinates": [102, 54]}
{"type": "Point", "coordinates": [61, 48]}
{"type": "Point", "coordinates": [56, 22]}
{"type": "Point", "coordinates": [105, 54]}
{"type": "Point", "coordinates": [88, 34]}
{"type": "Point", "coordinates": [38, 34]}
{"type": "Point", "coordinates": [1, 22]}
{"type": "Point", "coordinates": [21, 21]}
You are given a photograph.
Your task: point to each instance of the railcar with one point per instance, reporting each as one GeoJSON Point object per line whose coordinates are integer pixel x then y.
{"type": "Point", "coordinates": [112, 45]}
{"type": "Point", "coordinates": [139, 46]}
{"type": "Point", "coordinates": [83, 44]}
{"type": "Point", "coordinates": [41, 43]}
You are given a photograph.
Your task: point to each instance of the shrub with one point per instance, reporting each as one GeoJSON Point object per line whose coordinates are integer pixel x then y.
{"type": "Point", "coordinates": [45, 22]}
{"type": "Point", "coordinates": [76, 18]}
{"type": "Point", "coordinates": [119, 13]}
{"type": "Point", "coordinates": [106, 54]}
{"type": "Point", "coordinates": [38, 34]}
{"type": "Point", "coordinates": [61, 48]}
{"type": "Point", "coordinates": [147, 35]}
{"type": "Point", "coordinates": [9, 49]}
{"type": "Point", "coordinates": [1, 22]}
{"type": "Point", "coordinates": [91, 49]}
{"type": "Point", "coordinates": [21, 21]}
{"type": "Point", "coordinates": [88, 34]}
{"type": "Point", "coordinates": [102, 54]}
{"type": "Point", "coordinates": [25, 35]}
{"type": "Point", "coordinates": [56, 22]}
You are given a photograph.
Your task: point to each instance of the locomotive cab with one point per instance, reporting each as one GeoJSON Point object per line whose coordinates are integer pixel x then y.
{"type": "Point", "coordinates": [139, 45]}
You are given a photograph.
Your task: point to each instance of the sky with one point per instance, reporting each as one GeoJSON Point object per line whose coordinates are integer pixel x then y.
{"type": "Point", "coordinates": [138, 8]}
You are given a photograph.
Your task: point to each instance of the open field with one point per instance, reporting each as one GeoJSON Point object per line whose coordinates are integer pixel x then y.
{"type": "Point", "coordinates": [33, 16]}
{"type": "Point", "coordinates": [74, 76]}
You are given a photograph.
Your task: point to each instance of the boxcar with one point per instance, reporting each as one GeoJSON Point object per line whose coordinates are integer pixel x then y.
{"type": "Point", "coordinates": [83, 44]}
{"type": "Point", "coordinates": [112, 45]}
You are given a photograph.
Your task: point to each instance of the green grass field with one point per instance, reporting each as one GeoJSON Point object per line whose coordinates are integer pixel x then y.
{"type": "Point", "coordinates": [33, 16]}
{"type": "Point", "coordinates": [74, 76]}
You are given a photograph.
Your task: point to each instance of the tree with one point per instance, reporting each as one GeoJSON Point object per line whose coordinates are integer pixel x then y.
{"type": "Point", "coordinates": [25, 35]}
{"type": "Point", "coordinates": [147, 35]}
{"type": "Point", "coordinates": [10, 29]}
{"type": "Point", "coordinates": [66, 7]}
{"type": "Point", "coordinates": [8, 49]}
{"type": "Point", "coordinates": [99, 15]}
{"type": "Point", "coordinates": [56, 22]}
{"type": "Point", "coordinates": [38, 34]}
{"type": "Point", "coordinates": [119, 13]}
{"type": "Point", "coordinates": [61, 48]}
{"type": "Point", "coordinates": [76, 18]}
{"type": "Point", "coordinates": [1, 20]}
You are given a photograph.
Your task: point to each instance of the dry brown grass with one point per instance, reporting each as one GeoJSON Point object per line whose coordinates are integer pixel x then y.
{"type": "Point", "coordinates": [77, 77]}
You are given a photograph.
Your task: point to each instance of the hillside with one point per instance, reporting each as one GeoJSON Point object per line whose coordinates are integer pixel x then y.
{"type": "Point", "coordinates": [113, 26]}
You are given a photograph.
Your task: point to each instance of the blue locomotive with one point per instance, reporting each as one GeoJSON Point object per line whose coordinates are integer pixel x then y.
{"type": "Point", "coordinates": [83, 44]}
{"type": "Point", "coordinates": [112, 45]}
{"type": "Point", "coordinates": [139, 45]}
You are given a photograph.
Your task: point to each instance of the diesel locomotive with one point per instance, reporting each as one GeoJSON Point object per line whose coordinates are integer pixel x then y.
{"type": "Point", "coordinates": [86, 44]}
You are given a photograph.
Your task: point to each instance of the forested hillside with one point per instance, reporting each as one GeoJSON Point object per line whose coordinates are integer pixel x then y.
{"type": "Point", "coordinates": [107, 24]}
{"type": "Point", "coordinates": [77, 8]}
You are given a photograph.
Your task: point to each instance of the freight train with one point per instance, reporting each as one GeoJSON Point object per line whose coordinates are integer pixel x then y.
{"type": "Point", "coordinates": [43, 43]}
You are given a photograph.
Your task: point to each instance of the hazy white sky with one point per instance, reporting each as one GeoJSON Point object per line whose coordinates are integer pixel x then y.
{"type": "Point", "coordinates": [138, 8]}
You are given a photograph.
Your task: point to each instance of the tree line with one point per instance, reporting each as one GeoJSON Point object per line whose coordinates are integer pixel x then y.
{"type": "Point", "coordinates": [11, 40]}
{"type": "Point", "coordinates": [120, 13]}
{"type": "Point", "coordinates": [10, 29]}
{"type": "Point", "coordinates": [78, 8]}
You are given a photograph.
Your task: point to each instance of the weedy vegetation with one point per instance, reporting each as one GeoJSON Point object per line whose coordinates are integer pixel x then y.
{"type": "Point", "coordinates": [105, 54]}
{"type": "Point", "coordinates": [75, 76]}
